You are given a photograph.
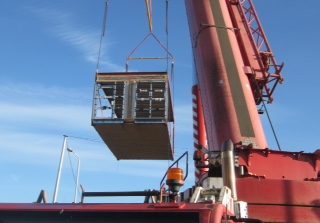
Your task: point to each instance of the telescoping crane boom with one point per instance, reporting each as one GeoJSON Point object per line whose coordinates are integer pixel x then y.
{"type": "Point", "coordinates": [238, 178]}
{"type": "Point", "coordinates": [236, 70]}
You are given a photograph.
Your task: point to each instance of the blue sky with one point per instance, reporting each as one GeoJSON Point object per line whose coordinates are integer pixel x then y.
{"type": "Point", "coordinates": [48, 52]}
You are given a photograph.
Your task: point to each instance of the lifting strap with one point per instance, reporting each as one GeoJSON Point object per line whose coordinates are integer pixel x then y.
{"type": "Point", "coordinates": [149, 14]}
{"type": "Point", "coordinates": [104, 27]}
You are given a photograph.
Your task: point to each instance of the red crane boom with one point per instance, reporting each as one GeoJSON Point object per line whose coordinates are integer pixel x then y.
{"type": "Point", "coordinates": [236, 70]}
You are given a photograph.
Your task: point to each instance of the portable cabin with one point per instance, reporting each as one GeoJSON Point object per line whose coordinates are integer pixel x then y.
{"type": "Point", "coordinates": [132, 112]}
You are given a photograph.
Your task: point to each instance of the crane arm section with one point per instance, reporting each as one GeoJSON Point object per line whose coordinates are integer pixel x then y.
{"type": "Point", "coordinates": [260, 64]}
{"type": "Point", "coordinates": [226, 91]}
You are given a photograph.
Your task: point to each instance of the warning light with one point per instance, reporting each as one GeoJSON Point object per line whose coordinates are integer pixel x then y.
{"type": "Point", "coordinates": [175, 179]}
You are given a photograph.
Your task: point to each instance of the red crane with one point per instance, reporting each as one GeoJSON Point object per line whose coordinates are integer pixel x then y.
{"type": "Point", "coordinates": [236, 70]}
{"type": "Point", "coordinates": [238, 178]}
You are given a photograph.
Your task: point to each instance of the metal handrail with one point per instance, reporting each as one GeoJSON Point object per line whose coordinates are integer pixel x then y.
{"type": "Point", "coordinates": [186, 154]}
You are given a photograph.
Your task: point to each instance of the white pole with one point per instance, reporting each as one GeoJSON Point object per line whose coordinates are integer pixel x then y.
{"type": "Point", "coordinates": [77, 181]}
{"type": "Point", "coordinates": [56, 190]}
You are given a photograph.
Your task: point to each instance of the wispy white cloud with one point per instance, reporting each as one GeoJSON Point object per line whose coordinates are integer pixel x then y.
{"type": "Point", "coordinates": [34, 92]}
{"type": "Point", "coordinates": [48, 121]}
{"type": "Point", "coordinates": [35, 106]}
{"type": "Point", "coordinates": [34, 117]}
{"type": "Point", "coordinates": [36, 149]}
{"type": "Point", "coordinates": [46, 115]}
{"type": "Point", "coordinates": [86, 40]}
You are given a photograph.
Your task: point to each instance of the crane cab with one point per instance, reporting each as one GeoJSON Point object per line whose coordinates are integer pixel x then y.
{"type": "Point", "coordinates": [132, 113]}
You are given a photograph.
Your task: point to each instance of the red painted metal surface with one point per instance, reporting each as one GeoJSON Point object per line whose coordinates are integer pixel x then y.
{"type": "Point", "coordinates": [236, 68]}
{"type": "Point", "coordinates": [288, 214]}
{"type": "Point", "coordinates": [229, 107]}
{"type": "Point", "coordinates": [271, 164]}
{"type": "Point", "coordinates": [280, 186]}
{"type": "Point", "coordinates": [279, 192]}
{"type": "Point", "coordinates": [200, 138]}
{"type": "Point", "coordinates": [208, 213]}
{"type": "Point", "coordinates": [104, 207]}
{"type": "Point", "coordinates": [262, 68]}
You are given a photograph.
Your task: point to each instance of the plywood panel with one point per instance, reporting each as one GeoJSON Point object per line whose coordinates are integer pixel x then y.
{"type": "Point", "coordinates": [136, 141]}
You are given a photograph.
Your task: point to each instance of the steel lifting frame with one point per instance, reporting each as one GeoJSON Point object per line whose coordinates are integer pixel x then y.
{"type": "Point", "coordinates": [271, 70]}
